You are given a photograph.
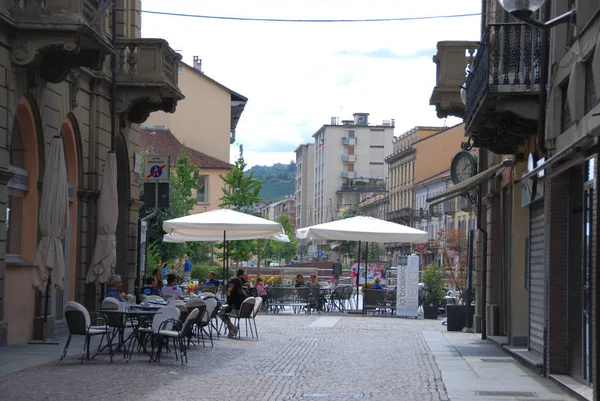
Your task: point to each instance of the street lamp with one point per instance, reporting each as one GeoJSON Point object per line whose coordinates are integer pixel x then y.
{"type": "Point", "coordinates": [524, 9]}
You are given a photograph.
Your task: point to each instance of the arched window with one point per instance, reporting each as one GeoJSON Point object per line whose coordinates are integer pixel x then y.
{"type": "Point", "coordinates": [17, 188]}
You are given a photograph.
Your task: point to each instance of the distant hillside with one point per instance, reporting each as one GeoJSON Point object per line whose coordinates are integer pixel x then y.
{"type": "Point", "coordinates": [277, 180]}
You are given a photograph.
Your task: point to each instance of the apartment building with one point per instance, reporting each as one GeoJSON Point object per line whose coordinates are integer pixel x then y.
{"type": "Point", "coordinates": [349, 160]}
{"type": "Point", "coordinates": [536, 264]}
{"type": "Point", "coordinates": [286, 206]}
{"type": "Point", "coordinates": [305, 185]}
{"type": "Point", "coordinates": [207, 119]}
{"type": "Point", "coordinates": [56, 82]}
{"type": "Point", "coordinates": [401, 172]}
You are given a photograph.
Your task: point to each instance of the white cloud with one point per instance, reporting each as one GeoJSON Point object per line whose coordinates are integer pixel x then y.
{"type": "Point", "coordinates": [297, 76]}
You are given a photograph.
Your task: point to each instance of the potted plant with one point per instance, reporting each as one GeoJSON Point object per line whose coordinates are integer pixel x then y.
{"type": "Point", "coordinates": [433, 277]}
{"type": "Point", "coordinates": [453, 248]}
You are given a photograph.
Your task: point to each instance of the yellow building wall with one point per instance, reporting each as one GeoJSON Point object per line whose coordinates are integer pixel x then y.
{"type": "Point", "coordinates": [202, 120]}
{"type": "Point", "coordinates": [435, 153]}
{"type": "Point", "coordinates": [215, 192]}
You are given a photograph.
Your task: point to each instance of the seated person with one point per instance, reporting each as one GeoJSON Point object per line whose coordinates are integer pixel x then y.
{"type": "Point", "coordinates": [299, 280]}
{"type": "Point", "coordinates": [172, 289]}
{"type": "Point", "coordinates": [150, 287]}
{"type": "Point", "coordinates": [261, 290]}
{"type": "Point", "coordinates": [211, 280]}
{"type": "Point", "coordinates": [235, 298]}
{"type": "Point", "coordinates": [377, 284]}
{"type": "Point", "coordinates": [113, 286]}
{"type": "Point", "coordinates": [242, 276]}
{"type": "Point", "coordinates": [313, 281]}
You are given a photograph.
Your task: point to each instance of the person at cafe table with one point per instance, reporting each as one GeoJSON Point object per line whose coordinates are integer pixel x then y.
{"type": "Point", "coordinates": [113, 285]}
{"type": "Point", "coordinates": [172, 289]}
{"type": "Point", "coordinates": [150, 286]}
{"type": "Point", "coordinates": [211, 280]}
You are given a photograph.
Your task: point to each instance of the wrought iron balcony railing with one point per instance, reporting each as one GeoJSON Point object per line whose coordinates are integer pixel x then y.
{"type": "Point", "coordinates": [508, 61]}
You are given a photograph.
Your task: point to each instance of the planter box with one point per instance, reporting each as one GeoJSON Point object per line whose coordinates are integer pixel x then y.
{"type": "Point", "coordinates": [430, 310]}
{"type": "Point", "coordinates": [455, 317]}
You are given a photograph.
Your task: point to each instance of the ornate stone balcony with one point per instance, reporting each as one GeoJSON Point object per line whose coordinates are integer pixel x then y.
{"type": "Point", "coordinates": [147, 75]}
{"type": "Point", "coordinates": [503, 88]}
{"type": "Point", "coordinates": [60, 35]}
{"type": "Point", "coordinates": [452, 60]}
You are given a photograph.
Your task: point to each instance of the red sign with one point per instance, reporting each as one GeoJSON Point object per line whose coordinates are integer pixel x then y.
{"type": "Point", "coordinates": [421, 247]}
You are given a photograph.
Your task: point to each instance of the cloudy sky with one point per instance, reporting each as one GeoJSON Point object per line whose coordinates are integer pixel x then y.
{"type": "Point", "coordinates": [299, 75]}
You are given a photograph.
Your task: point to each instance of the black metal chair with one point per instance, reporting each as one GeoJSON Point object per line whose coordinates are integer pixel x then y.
{"type": "Point", "coordinates": [80, 323]}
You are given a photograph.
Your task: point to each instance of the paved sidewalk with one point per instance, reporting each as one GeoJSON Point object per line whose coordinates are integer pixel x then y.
{"type": "Point", "coordinates": [473, 369]}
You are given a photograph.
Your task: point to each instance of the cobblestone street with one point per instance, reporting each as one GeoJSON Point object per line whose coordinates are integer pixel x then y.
{"type": "Point", "coordinates": [297, 357]}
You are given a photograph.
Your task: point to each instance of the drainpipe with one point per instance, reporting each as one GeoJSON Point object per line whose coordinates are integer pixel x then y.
{"type": "Point", "coordinates": [544, 72]}
{"type": "Point", "coordinates": [483, 246]}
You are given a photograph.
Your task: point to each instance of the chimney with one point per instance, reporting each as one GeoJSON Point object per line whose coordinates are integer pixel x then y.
{"type": "Point", "coordinates": [198, 64]}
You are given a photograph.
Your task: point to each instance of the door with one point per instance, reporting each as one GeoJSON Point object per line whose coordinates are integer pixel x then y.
{"type": "Point", "coordinates": [537, 277]}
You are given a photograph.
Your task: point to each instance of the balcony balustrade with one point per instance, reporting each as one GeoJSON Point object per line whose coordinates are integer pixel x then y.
{"type": "Point", "coordinates": [147, 78]}
{"type": "Point", "coordinates": [452, 60]}
{"type": "Point", "coordinates": [502, 89]}
{"type": "Point", "coordinates": [348, 158]}
{"type": "Point", "coordinates": [60, 35]}
{"type": "Point", "coordinates": [348, 141]}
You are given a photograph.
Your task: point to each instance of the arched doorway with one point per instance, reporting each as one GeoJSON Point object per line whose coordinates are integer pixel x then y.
{"type": "Point", "coordinates": [123, 189]}
{"type": "Point", "coordinates": [25, 158]}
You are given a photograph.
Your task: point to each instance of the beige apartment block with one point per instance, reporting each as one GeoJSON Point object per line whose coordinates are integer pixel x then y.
{"type": "Point", "coordinates": [55, 81]}
{"type": "Point", "coordinates": [162, 142]}
{"type": "Point", "coordinates": [349, 160]}
{"type": "Point", "coordinates": [401, 171]}
{"type": "Point", "coordinates": [305, 184]}
{"type": "Point", "coordinates": [206, 120]}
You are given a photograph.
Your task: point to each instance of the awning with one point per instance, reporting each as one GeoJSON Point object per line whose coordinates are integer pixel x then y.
{"type": "Point", "coordinates": [469, 184]}
{"type": "Point", "coordinates": [576, 146]}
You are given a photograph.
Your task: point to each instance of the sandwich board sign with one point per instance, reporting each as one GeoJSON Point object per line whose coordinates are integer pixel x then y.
{"type": "Point", "coordinates": [407, 290]}
{"type": "Point", "coordinates": [156, 168]}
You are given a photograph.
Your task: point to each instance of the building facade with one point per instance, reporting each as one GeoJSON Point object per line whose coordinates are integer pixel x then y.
{"type": "Point", "coordinates": [349, 160]}
{"type": "Point", "coordinates": [536, 251]}
{"type": "Point", "coordinates": [206, 120]}
{"type": "Point", "coordinates": [57, 82]}
{"type": "Point", "coordinates": [160, 141]}
{"type": "Point", "coordinates": [401, 172]}
{"type": "Point", "coordinates": [305, 184]}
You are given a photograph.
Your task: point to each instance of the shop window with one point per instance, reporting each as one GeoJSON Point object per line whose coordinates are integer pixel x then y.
{"type": "Point", "coordinates": [202, 194]}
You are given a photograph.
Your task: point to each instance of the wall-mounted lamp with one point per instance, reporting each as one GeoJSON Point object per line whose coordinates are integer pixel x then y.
{"type": "Point", "coordinates": [523, 10]}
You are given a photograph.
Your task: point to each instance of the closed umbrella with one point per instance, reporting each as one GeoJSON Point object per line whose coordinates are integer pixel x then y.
{"type": "Point", "coordinates": [104, 259]}
{"type": "Point", "coordinates": [53, 220]}
{"type": "Point", "coordinates": [53, 223]}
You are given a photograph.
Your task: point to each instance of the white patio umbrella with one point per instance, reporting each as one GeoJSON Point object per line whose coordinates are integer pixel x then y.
{"type": "Point", "coordinates": [210, 226]}
{"type": "Point", "coordinates": [363, 228]}
{"type": "Point", "coordinates": [221, 225]}
{"type": "Point", "coordinates": [53, 224]}
{"type": "Point", "coordinates": [178, 239]}
{"type": "Point", "coordinates": [53, 220]}
{"type": "Point", "coordinates": [104, 259]}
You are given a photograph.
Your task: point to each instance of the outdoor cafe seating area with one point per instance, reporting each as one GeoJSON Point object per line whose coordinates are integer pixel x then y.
{"type": "Point", "coordinates": [156, 327]}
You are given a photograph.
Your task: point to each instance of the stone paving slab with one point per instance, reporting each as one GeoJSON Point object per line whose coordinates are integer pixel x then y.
{"type": "Point", "coordinates": [481, 366]}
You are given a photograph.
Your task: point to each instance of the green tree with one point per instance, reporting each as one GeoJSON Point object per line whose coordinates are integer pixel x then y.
{"type": "Point", "coordinates": [240, 193]}
{"type": "Point", "coordinates": [349, 249]}
{"type": "Point", "coordinates": [184, 180]}
{"type": "Point", "coordinates": [285, 250]}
